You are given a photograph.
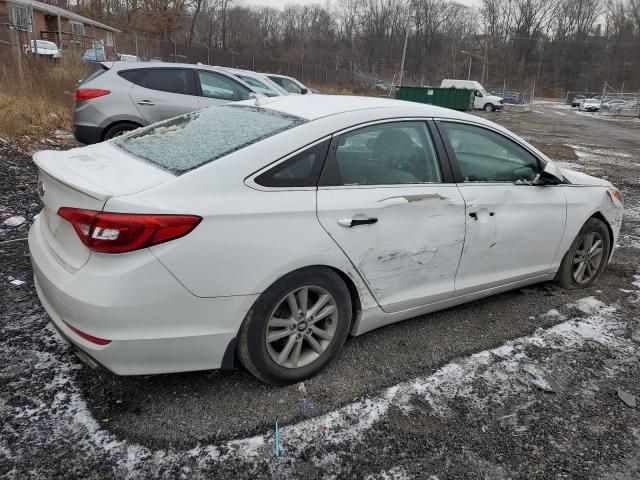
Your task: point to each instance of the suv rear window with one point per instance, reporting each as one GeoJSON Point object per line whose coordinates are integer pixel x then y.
{"type": "Point", "coordinates": [189, 141]}
{"type": "Point", "coordinates": [134, 76]}
{"type": "Point", "coordinates": [93, 75]}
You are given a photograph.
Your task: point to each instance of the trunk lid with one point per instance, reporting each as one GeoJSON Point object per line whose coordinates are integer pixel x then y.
{"type": "Point", "coordinates": [85, 178]}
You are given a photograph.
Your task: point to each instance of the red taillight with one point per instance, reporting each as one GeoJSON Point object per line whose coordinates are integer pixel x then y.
{"type": "Point", "coordinates": [83, 94]}
{"type": "Point", "coordinates": [124, 232]}
{"type": "Point", "coordinates": [86, 336]}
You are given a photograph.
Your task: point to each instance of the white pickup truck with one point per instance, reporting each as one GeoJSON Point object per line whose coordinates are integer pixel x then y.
{"type": "Point", "coordinates": [482, 100]}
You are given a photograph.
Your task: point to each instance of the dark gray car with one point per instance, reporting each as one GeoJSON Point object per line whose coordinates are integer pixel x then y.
{"type": "Point", "coordinates": [120, 96]}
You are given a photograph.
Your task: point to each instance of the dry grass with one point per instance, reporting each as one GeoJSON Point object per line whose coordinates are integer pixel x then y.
{"type": "Point", "coordinates": [40, 101]}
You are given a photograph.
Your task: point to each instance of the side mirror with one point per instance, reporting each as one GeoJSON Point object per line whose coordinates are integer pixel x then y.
{"type": "Point", "coordinates": [304, 91]}
{"type": "Point", "coordinates": [553, 171]}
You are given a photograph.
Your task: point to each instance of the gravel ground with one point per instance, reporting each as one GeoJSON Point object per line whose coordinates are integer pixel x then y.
{"type": "Point", "coordinates": [440, 396]}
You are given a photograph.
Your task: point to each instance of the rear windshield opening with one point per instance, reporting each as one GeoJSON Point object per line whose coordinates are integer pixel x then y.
{"type": "Point", "coordinates": [189, 141]}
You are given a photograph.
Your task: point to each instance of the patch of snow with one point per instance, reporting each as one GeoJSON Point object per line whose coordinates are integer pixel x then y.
{"type": "Point", "coordinates": [481, 381]}
{"type": "Point", "coordinates": [620, 119]}
{"type": "Point", "coordinates": [569, 165]}
{"type": "Point", "coordinates": [554, 313]}
{"type": "Point", "coordinates": [591, 305]}
{"type": "Point", "coordinates": [395, 473]}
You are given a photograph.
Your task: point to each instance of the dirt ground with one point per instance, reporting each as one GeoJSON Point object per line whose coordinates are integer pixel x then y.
{"type": "Point", "coordinates": [440, 396]}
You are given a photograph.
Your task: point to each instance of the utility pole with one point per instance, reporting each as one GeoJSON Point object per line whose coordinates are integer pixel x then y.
{"type": "Point", "coordinates": [16, 41]}
{"type": "Point", "coordinates": [404, 54]}
{"type": "Point", "coordinates": [33, 33]}
{"type": "Point", "coordinates": [484, 60]}
{"type": "Point", "coordinates": [469, 72]}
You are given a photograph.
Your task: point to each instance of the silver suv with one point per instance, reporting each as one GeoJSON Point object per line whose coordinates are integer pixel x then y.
{"type": "Point", "coordinates": [122, 96]}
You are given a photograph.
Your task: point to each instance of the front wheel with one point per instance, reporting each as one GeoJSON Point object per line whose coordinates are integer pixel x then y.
{"type": "Point", "coordinates": [296, 327]}
{"type": "Point", "coordinates": [587, 258]}
{"type": "Point", "coordinates": [489, 107]}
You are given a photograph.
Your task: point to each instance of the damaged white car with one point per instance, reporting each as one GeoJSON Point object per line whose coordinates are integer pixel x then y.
{"type": "Point", "coordinates": [268, 232]}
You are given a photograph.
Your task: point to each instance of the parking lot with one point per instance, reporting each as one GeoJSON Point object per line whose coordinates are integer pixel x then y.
{"type": "Point", "coordinates": [441, 396]}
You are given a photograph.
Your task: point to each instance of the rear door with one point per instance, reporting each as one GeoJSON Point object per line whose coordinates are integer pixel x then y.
{"type": "Point", "coordinates": [165, 93]}
{"type": "Point", "coordinates": [513, 228]}
{"type": "Point", "coordinates": [216, 89]}
{"type": "Point", "coordinates": [387, 199]}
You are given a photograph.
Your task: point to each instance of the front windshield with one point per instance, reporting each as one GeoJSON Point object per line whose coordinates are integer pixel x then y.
{"type": "Point", "coordinates": [46, 45]}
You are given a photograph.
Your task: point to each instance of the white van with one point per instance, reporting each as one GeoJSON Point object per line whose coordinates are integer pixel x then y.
{"type": "Point", "coordinates": [482, 100]}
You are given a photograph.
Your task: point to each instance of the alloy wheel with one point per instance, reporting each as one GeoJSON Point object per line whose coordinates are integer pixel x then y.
{"type": "Point", "coordinates": [301, 327]}
{"type": "Point", "coordinates": [588, 258]}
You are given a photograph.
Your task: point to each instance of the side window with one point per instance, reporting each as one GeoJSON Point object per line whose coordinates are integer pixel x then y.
{"type": "Point", "coordinates": [387, 154]}
{"type": "Point", "coordinates": [290, 86]}
{"type": "Point", "coordinates": [133, 76]}
{"type": "Point", "coordinates": [486, 156]}
{"type": "Point", "coordinates": [173, 80]}
{"type": "Point", "coordinates": [214, 85]}
{"type": "Point", "coordinates": [301, 170]}
{"type": "Point", "coordinates": [258, 85]}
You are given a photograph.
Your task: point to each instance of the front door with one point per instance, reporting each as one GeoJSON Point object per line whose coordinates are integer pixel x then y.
{"type": "Point", "coordinates": [383, 199]}
{"type": "Point", "coordinates": [514, 227]}
{"type": "Point", "coordinates": [218, 89]}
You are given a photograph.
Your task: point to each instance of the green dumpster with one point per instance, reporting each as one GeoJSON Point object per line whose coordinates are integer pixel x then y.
{"type": "Point", "coordinates": [455, 98]}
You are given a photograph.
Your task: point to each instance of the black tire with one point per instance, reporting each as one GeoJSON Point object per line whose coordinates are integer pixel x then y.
{"type": "Point", "coordinates": [119, 129]}
{"type": "Point", "coordinates": [565, 276]}
{"type": "Point", "coordinates": [489, 107]}
{"type": "Point", "coordinates": [252, 346]}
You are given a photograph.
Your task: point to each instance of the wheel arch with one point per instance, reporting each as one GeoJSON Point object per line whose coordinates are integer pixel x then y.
{"type": "Point", "coordinates": [116, 123]}
{"type": "Point", "coordinates": [356, 303]}
{"type": "Point", "coordinates": [602, 218]}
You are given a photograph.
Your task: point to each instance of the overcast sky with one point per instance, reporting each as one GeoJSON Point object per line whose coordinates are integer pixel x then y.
{"type": "Point", "coordinates": [282, 3]}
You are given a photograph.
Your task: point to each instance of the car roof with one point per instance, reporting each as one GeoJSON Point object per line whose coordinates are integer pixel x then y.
{"type": "Point", "coordinates": [313, 107]}
{"type": "Point", "coordinates": [164, 65]}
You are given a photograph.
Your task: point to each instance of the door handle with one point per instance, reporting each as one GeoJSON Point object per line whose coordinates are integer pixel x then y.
{"type": "Point", "coordinates": [145, 102]}
{"type": "Point", "coordinates": [354, 222]}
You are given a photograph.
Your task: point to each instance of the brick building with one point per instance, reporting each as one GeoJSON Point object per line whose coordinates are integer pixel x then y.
{"type": "Point", "coordinates": [65, 28]}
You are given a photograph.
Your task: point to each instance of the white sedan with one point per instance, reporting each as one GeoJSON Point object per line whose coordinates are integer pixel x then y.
{"type": "Point", "coordinates": [268, 231]}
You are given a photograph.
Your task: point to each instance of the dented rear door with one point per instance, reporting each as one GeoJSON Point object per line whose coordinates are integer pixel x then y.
{"type": "Point", "coordinates": [404, 238]}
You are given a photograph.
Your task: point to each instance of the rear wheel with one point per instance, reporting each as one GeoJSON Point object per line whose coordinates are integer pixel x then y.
{"type": "Point", "coordinates": [296, 327]}
{"type": "Point", "coordinates": [119, 129]}
{"type": "Point", "coordinates": [587, 258]}
{"type": "Point", "coordinates": [489, 107]}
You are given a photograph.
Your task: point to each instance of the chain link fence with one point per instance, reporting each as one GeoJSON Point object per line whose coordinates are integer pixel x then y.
{"type": "Point", "coordinates": [518, 98]}
{"type": "Point", "coordinates": [617, 103]}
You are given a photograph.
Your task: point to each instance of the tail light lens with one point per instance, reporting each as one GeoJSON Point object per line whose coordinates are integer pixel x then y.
{"type": "Point", "coordinates": [124, 232]}
{"type": "Point", "coordinates": [83, 94]}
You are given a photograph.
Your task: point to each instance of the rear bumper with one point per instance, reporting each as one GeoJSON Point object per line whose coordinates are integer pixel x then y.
{"type": "Point", "coordinates": [153, 323]}
{"type": "Point", "coordinates": [87, 135]}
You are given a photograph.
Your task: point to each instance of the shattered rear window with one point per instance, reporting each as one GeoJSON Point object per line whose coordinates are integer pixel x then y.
{"type": "Point", "coordinates": [189, 141]}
